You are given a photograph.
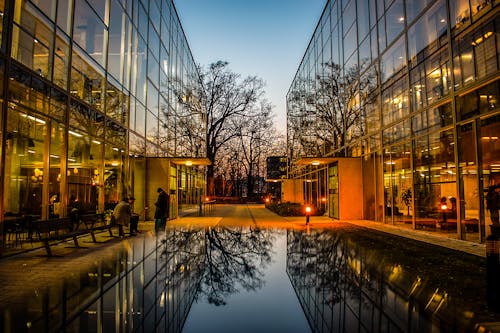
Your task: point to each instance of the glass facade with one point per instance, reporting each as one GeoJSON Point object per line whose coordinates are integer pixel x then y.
{"type": "Point", "coordinates": [89, 92]}
{"type": "Point", "coordinates": [411, 88]}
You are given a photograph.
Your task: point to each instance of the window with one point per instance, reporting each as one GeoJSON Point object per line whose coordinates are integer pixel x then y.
{"type": "Point", "coordinates": [428, 33]}
{"type": "Point", "coordinates": [395, 20]}
{"type": "Point", "coordinates": [118, 28]}
{"type": "Point", "coordinates": [61, 56]}
{"type": "Point", "coordinates": [438, 76]}
{"type": "Point", "coordinates": [364, 23]}
{"type": "Point", "coordinates": [89, 31]}
{"type": "Point", "coordinates": [87, 79]}
{"type": "Point", "coordinates": [479, 101]}
{"type": "Point", "coordinates": [393, 60]}
{"type": "Point", "coordinates": [64, 14]}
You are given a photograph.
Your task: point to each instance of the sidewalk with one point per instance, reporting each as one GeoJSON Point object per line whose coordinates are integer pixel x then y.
{"type": "Point", "coordinates": [426, 237]}
{"type": "Point", "coordinates": [419, 235]}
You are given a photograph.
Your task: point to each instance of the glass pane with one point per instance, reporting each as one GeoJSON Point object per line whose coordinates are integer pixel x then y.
{"type": "Point", "coordinates": [116, 104]}
{"type": "Point", "coordinates": [490, 147]}
{"type": "Point", "coordinates": [393, 60]}
{"type": "Point", "coordinates": [56, 154]}
{"type": "Point", "coordinates": [24, 168]}
{"type": "Point", "coordinates": [438, 76]}
{"type": "Point", "coordinates": [469, 200]}
{"type": "Point", "coordinates": [140, 118]}
{"type": "Point", "coordinates": [402, 183]}
{"type": "Point", "coordinates": [459, 13]}
{"type": "Point", "coordinates": [64, 14]}
{"type": "Point", "coordinates": [394, 20]}
{"type": "Point", "coordinates": [141, 70]}
{"type": "Point", "coordinates": [83, 118]}
{"type": "Point", "coordinates": [116, 133]}
{"type": "Point", "coordinates": [413, 8]}
{"type": "Point", "coordinates": [152, 127]}
{"type": "Point", "coordinates": [84, 168]}
{"type": "Point", "coordinates": [89, 32]}
{"type": "Point", "coordinates": [117, 42]}
{"type": "Point", "coordinates": [48, 7]}
{"type": "Point", "coordinates": [435, 178]}
{"type": "Point", "coordinates": [426, 32]}
{"type": "Point", "coordinates": [138, 174]}
{"type": "Point", "coordinates": [114, 186]}
{"type": "Point", "coordinates": [87, 79]}
{"type": "Point", "coordinates": [61, 56]}
{"type": "Point", "coordinates": [364, 24]}
{"type": "Point", "coordinates": [30, 51]}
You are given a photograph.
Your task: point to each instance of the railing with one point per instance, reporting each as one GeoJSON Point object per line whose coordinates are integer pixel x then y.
{"type": "Point", "coordinates": [208, 206]}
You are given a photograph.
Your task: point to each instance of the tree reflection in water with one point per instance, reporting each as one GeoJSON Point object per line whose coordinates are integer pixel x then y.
{"type": "Point", "coordinates": [226, 259]}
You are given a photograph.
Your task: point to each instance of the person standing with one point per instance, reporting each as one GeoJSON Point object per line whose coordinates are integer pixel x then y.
{"type": "Point", "coordinates": [162, 209]}
{"type": "Point", "coordinates": [492, 204]}
{"type": "Point", "coordinates": [122, 214]}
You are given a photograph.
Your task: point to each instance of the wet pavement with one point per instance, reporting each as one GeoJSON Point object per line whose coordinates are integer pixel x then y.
{"type": "Point", "coordinates": [246, 269]}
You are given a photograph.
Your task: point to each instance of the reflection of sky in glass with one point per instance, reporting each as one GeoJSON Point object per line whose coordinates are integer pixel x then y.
{"type": "Point", "coordinates": [272, 308]}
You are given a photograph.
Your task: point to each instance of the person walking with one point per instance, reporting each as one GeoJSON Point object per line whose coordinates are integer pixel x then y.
{"type": "Point", "coordinates": [122, 214]}
{"type": "Point", "coordinates": [493, 204]}
{"type": "Point", "coordinates": [162, 209]}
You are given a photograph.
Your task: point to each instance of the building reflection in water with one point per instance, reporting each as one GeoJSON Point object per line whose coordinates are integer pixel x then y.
{"type": "Point", "coordinates": [147, 284]}
{"type": "Point", "coordinates": [142, 287]}
{"type": "Point", "coordinates": [345, 285]}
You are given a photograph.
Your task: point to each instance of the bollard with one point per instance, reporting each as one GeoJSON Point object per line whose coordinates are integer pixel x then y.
{"type": "Point", "coordinates": [492, 272]}
{"type": "Point", "coordinates": [308, 212]}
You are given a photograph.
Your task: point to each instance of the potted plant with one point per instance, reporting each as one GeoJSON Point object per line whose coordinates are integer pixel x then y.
{"type": "Point", "coordinates": [406, 197]}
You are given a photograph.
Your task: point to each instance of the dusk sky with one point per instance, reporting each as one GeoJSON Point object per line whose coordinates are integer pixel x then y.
{"type": "Point", "coordinates": [266, 38]}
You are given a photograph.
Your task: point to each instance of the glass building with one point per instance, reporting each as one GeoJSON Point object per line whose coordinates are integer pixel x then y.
{"type": "Point", "coordinates": [397, 101]}
{"type": "Point", "coordinates": [91, 107]}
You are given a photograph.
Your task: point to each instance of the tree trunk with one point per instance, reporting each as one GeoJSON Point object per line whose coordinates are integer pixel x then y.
{"type": "Point", "coordinates": [210, 181]}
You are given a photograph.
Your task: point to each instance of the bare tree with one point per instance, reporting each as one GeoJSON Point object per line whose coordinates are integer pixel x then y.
{"type": "Point", "coordinates": [255, 139]}
{"type": "Point", "coordinates": [226, 98]}
{"type": "Point", "coordinates": [327, 111]}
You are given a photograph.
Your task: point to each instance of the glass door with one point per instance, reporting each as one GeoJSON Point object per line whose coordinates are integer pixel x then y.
{"type": "Point", "coordinates": [333, 191]}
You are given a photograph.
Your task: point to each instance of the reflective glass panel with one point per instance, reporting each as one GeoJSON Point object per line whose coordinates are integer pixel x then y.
{"type": "Point", "coordinates": [89, 31]}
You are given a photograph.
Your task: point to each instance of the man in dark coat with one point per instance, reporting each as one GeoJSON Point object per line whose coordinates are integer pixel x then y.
{"type": "Point", "coordinates": [162, 209]}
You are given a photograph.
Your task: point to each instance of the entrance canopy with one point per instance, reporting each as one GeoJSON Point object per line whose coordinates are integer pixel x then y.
{"type": "Point", "coordinates": [190, 161]}
{"type": "Point", "coordinates": [316, 160]}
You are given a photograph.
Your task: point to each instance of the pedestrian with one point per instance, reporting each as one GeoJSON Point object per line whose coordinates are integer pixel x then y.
{"type": "Point", "coordinates": [492, 204]}
{"type": "Point", "coordinates": [74, 210]}
{"type": "Point", "coordinates": [134, 218]}
{"type": "Point", "coordinates": [162, 209]}
{"type": "Point", "coordinates": [122, 214]}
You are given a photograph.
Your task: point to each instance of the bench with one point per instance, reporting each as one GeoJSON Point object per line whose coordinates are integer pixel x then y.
{"type": "Point", "coordinates": [469, 225]}
{"type": "Point", "coordinates": [96, 222]}
{"type": "Point", "coordinates": [57, 230]}
{"type": "Point", "coordinates": [421, 223]}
